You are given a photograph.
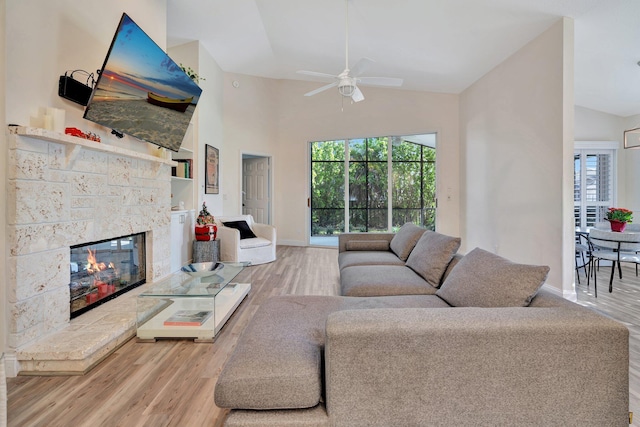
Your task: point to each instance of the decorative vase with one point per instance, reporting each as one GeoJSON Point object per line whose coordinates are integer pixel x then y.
{"type": "Point", "coordinates": [617, 226]}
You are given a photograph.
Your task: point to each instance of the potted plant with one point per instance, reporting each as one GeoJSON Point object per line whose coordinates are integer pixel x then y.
{"type": "Point", "coordinates": [618, 218]}
{"type": "Point", "coordinates": [206, 228]}
{"type": "Point", "coordinates": [191, 73]}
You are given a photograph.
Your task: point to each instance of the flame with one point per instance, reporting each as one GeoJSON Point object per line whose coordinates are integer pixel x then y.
{"type": "Point", "coordinates": [93, 266]}
{"type": "Point", "coordinates": [91, 258]}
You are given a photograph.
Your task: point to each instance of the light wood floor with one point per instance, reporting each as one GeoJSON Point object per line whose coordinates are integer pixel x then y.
{"type": "Point", "coordinates": [623, 304]}
{"type": "Point", "coordinates": [171, 382]}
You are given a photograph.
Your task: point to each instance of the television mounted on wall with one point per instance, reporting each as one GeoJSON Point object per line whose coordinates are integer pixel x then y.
{"type": "Point", "coordinates": [141, 91]}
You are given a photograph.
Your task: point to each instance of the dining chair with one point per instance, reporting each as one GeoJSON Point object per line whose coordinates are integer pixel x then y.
{"type": "Point", "coordinates": [614, 247]}
{"type": "Point", "coordinates": [583, 254]}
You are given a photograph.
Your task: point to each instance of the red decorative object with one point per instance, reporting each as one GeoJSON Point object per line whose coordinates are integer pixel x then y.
{"type": "Point", "coordinates": [77, 132]}
{"type": "Point", "coordinates": [206, 229]}
{"type": "Point", "coordinates": [206, 232]}
{"type": "Point", "coordinates": [617, 226]}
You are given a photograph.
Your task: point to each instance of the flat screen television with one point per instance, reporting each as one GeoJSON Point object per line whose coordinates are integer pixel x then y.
{"type": "Point", "coordinates": [141, 91]}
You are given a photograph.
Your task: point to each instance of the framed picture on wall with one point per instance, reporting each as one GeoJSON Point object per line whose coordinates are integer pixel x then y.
{"type": "Point", "coordinates": [632, 138]}
{"type": "Point", "coordinates": [211, 170]}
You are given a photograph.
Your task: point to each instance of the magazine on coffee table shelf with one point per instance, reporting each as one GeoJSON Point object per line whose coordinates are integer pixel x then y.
{"type": "Point", "coordinates": [188, 318]}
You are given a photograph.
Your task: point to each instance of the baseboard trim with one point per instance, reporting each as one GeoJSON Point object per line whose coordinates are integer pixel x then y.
{"type": "Point", "coordinates": [291, 243]}
{"type": "Point", "coordinates": [568, 295]}
{"type": "Point", "coordinates": [11, 364]}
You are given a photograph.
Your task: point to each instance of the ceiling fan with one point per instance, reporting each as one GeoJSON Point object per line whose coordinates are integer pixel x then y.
{"type": "Point", "coordinates": [347, 81]}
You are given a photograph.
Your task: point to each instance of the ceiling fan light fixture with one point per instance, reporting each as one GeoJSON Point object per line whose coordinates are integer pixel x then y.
{"type": "Point", "coordinates": [347, 81]}
{"type": "Point", "coordinates": [346, 90]}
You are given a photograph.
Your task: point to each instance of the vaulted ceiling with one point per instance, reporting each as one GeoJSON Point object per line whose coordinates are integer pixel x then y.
{"type": "Point", "coordinates": [434, 45]}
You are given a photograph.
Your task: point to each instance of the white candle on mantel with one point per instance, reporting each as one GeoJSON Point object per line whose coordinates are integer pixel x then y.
{"type": "Point", "coordinates": [58, 120]}
{"type": "Point", "coordinates": [48, 122]}
{"type": "Point", "coordinates": [36, 121]}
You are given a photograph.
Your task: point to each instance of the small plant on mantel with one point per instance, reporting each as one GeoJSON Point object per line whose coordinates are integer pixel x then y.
{"type": "Point", "coordinates": [192, 74]}
{"type": "Point", "coordinates": [619, 214]}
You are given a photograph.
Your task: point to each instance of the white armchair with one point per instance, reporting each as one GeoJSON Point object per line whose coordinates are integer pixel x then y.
{"type": "Point", "coordinates": [256, 250]}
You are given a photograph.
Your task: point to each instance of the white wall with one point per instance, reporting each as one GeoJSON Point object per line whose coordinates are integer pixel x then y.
{"type": "Point", "coordinates": [592, 125]}
{"type": "Point", "coordinates": [272, 117]}
{"type": "Point", "coordinates": [3, 189]}
{"type": "Point", "coordinates": [516, 145]}
{"type": "Point", "coordinates": [384, 112]}
{"type": "Point", "coordinates": [46, 38]}
{"type": "Point", "coordinates": [208, 116]}
{"type": "Point", "coordinates": [211, 124]}
{"type": "Point", "coordinates": [250, 123]}
{"type": "Point", "coordinates": [631, 177]}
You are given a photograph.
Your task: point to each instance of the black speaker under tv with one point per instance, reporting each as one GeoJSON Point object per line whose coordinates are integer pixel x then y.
{"type": "Point", "coordinates": [141, 91]}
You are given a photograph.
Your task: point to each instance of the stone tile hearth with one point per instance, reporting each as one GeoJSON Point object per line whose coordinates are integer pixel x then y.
{"type": "Point", "coordinates": [86, 341]}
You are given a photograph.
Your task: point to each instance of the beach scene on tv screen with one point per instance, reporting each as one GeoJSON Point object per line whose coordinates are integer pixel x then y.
{"type": "Point", "coordinates": [142, 92]}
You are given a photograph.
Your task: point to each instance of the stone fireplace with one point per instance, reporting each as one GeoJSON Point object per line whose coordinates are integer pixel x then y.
{"type": "Point", "coordinates": [65, 191]}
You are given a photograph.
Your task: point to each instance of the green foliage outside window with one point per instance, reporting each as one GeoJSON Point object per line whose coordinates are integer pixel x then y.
{"type": "Point", "coordinates": [413, 185]}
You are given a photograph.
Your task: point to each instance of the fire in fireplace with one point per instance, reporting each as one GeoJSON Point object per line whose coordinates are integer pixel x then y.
{"type": "Point", "coordinates": [101, 271]}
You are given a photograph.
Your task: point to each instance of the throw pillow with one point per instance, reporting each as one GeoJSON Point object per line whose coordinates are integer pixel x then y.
{"type": "Point", "coordinates": [242, 227]}
{"type": "Point", "coordinates": [405, 239]}
{"type": "Point", "coordinates": [368, 245]}
{"type": "Point", "coordinates": [483, 279]}
{"type": "Point", "coordinates": [431, 256]}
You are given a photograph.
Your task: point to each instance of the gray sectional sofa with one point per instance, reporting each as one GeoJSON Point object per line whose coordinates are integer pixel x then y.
{"type": "Point", "coordinates": [410, 262]}
{"type": "Point", "coordinates": [476, 343]}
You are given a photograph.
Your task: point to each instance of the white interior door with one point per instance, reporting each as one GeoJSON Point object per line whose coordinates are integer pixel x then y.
{"type": "Point", "coordinates": [256, 197]}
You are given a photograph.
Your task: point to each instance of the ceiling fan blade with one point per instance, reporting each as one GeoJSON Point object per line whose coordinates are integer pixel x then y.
{"type": "Point", "coordinates": [357, 95]}
{"type": "Point", "coordinates": [316, 74]}
{"type": "Point", "coordinates": [320, 89]}
{"type": "Point", "coordinates": [380, 81]}
{"type": "Point", "coordinates": [361, 66]}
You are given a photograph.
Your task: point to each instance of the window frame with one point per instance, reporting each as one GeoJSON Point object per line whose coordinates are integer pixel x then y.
{"type": "Point", "coordinates": [391, 140]}
{"type": "Point", "coordinates": [584, 148]}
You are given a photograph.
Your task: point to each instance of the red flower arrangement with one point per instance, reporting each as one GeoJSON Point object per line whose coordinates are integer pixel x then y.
{"type": "Point", "coordinates": [619, 214]}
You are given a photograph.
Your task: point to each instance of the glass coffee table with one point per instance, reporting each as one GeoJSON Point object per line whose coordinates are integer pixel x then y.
{"type": "Point", "coordinates": [192, 305]}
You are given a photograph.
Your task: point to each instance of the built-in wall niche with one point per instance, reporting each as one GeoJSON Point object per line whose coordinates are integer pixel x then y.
{"type": "Point", "coordinates": [101, 271]}
{"type": "Point", "coordinates": [184, 174]}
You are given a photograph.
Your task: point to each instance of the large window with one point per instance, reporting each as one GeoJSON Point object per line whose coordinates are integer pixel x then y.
{"type": "Point", "coordinates": [593, 185]}
{"type": "Point", "coordinates": [371, 185]}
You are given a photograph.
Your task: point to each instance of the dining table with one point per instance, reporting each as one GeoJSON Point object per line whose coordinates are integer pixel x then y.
{"type": "Point", "coordinates": [614, 246]}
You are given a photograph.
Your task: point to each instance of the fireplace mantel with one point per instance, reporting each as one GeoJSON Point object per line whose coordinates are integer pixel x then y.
{"type": "Point", "coordinates": [75, 144]}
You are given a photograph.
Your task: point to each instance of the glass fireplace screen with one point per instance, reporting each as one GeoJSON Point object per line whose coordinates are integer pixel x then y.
{"type": "Point", "coordinates": [101, 271]}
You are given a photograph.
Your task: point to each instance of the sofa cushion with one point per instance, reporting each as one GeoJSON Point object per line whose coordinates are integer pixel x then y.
{"type": "Point", "coordinates": [242, 227]}
{"type": "Point", "coordinates": [278, 361]}
{"type": "Point", "coordinates": [367, 245]}
{"type": "Point", "coordinates": [431, 256]}
{"type": "Point", "coordinates": [405, 239]}
{"type": "Point", "coordinates": [351, 258]}
{"type": "Point", "coordinates": [483, 279]}
{"type": "Point", "coordinates": [380, 280]}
